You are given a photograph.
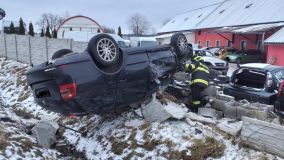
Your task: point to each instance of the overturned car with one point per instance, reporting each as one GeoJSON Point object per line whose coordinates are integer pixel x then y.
{"type": "Point", "coordinates": [104, 77]}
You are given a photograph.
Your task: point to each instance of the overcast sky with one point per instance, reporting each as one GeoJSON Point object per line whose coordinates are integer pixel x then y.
{"type": "Point", "coordinates": [110, 13]}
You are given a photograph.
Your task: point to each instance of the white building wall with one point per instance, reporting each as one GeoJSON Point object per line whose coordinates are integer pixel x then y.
{"type": "Point", "coordinates": [77, 24]}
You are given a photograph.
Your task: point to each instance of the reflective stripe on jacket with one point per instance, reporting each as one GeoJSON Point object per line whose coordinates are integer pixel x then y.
{"type": "Point", "coordinates": [200, 73]}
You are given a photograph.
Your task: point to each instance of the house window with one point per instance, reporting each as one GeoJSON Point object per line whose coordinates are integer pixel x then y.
{"type": "Point", "coordinates": [243, 45]}
{"type": "Point", "coordinates": [218, 43]}
{"type": "Point", "coordinates": [207, 43]}
{"type": "Point", "coordinates": [199, 42]}
{"type": "Point", "coordinates": [259, 45]}
{"type": "Point", "coordinates": [229, 44]}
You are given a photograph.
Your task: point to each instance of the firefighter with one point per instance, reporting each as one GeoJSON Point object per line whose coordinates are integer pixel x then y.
{"type": "Point", "coordinates": [199, 80]}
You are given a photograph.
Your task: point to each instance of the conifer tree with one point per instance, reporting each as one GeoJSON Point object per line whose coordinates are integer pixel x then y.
{"type": "Point", "coordinates": [119, 31]}
{"type": "Point", "coordinates": [12, 28]}
{"type": "Point", "coordinates": [31, 29]}
{"type": "Point", "coordinates": [22, 30]}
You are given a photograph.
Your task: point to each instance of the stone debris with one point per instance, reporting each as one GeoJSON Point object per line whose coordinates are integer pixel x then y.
{"type": "Point", "coordinates": [155, 112]}
{"type": "Point", "coordinates": [45, 132]}
{"type": "Point", "coordinates": [194, 117]}
{"type": "Point", "coordinates": [207, 112]}
{"type": "Point", "coordinates": [176, 111]}
{"type": "Point", "coordinates": [233, 128]}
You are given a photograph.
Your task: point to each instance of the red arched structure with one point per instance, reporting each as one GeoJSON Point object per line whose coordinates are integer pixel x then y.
{"type": "Point", "coordinates": [79, 16]}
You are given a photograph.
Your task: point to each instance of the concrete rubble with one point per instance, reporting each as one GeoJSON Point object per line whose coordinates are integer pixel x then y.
{"type": "Point", "coordinates": [45, 132]}
{"type": "Point", "coordinates": [207, 112]}
{"type": "Point", "coordinates": [157, 112]}
{"type": "Point", "coordinates": [233, 128]}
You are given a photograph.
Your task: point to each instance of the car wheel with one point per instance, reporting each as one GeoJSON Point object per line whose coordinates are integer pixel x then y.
{"type": "Point", "coordinates": [180, 45]}
{"type": "Point", "coordinates": [238, 61]}
{"type": "Point", "coordinates": [61, 53]}
{"type": "Point", "coordinates": [104, 49]}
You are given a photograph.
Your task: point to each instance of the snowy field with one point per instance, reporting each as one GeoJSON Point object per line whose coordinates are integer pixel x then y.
{"type": "Point", "coordinates": [114, 137]}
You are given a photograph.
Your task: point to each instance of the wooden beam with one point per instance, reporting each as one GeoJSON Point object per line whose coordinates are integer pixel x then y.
{"type": "Point", "coordinates": [264, 136]}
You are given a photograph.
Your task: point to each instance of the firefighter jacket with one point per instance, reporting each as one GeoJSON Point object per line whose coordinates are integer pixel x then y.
{"type": "Point", "coordinates": [199, 72]}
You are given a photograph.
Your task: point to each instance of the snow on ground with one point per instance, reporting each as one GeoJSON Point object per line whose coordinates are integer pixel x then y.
{"type": "Point", "coordinates": [112, 137]}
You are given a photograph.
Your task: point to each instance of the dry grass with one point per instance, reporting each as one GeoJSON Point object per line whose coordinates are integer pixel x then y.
{"type": "Point", "coordinates": [24, 96]}
{"type": "Point", "coordinates": [145, 125]}
{"type": "Point", "coordinates": [25, 143]}
{"type": "Point", "coordinates": [165, 97]}
{"type": "Point", "coordinates": [208, 148]}
{"type": "Point", "coordinates": [132, 139]}
{"type": "Point", "coordinates": [3, 140]}
{"type": "Point", "coordinates": [117, 146]}
{"type": "Point", "coordinates": [24, 114]}
{"type": "Point", "coordinates": [149, 143]}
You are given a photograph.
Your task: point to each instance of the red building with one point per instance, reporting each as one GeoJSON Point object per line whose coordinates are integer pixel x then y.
{"type": "Point", "coordinates": [275, 48]}
{"type": "Point", "coordinates": [240, 24]}
{"type": "Point", "coordinates": [242, 38]}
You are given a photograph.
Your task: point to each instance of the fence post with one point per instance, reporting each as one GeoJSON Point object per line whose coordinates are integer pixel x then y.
{"type": "Point", "coordinates": [5, 45]}
{"type": "Point", "coordinates": [30, 51]}
{"type": "Point", "coordinates": [46, 48]}
{"type": "Point", "coordinates": [71, 44]}
{"type": "Point", "coordinates": [16, 45]}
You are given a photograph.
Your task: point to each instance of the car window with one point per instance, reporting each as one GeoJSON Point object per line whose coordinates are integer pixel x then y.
{"type": "Point", "coordinates": [148, 43]}
{"type": "Point", "coordinates": [208, 54]}
{"type": "Point", "coordinates": [279, 75]}
{"type": "Point", "coordinates": [200, 53]}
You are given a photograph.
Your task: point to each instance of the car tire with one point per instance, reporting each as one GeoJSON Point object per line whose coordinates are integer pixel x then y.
{"type": "Point", "coordinates": [180, 45]}
{"type": "Point", "coordinates": [104, 49]}
{"type": "Point", "coordinates": [61, 53]}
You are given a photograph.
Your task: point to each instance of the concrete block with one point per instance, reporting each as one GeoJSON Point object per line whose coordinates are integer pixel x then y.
{"type": "Point", "coordinates": [45, 132]}
{"type": "Point", "coordinates": [155, 112]}
{"type": "Point", "coordinates": [207, 112]}
{"type": "Point", "coordinates": [176, 111]}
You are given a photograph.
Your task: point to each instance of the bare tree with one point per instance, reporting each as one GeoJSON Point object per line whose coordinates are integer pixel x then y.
{"type": "Point", "coordinates": [51, 20]}
{"type": "Point", "coordinates": [138, 24]}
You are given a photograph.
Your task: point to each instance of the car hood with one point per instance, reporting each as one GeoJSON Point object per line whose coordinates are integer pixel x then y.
{"type": "Point", "coordinates": [213, 59]}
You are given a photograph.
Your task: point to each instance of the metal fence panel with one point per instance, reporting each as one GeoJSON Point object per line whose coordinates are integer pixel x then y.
{"type": "Point", "coordinates": [2, 46]}
{"type": "Point", "coordinates": [23, 48]}
{"type": "Point", "coordinates": [38, 50]}
{"type": "Point", "coordinates": [57, 44]}
{"type": "Point", "coordinates": [11, 46]}
{"type": "Point", "coordinates": [79, 46]}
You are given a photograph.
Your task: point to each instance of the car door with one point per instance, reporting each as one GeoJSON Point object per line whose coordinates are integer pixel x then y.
{"type": "Point", "coordinates": [134, 77]}
{"type": "Point", "coordinates": [96, 90]}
